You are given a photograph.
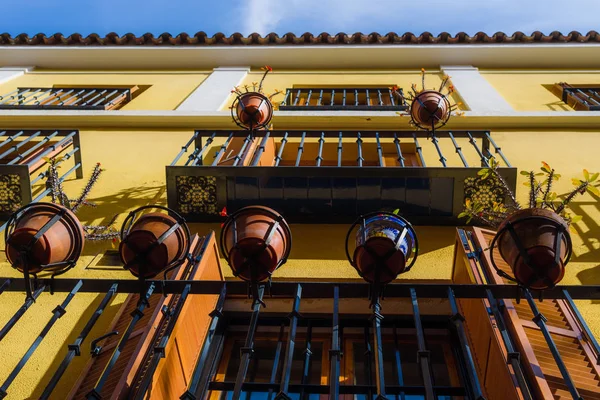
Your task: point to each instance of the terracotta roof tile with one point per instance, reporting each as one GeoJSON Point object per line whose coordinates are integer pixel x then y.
{"type": "Point", "coordinates": [237, 39]}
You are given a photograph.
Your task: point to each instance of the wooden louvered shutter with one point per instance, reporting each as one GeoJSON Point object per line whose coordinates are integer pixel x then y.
{"type": "Point", "coordinates": [123, 372]}
{"type": "Point", "coordinates": [489, 352]}
{"type": "Point", "coordinates": [173, 373]}
{"type": "Point", "coordinates": [572, 344]}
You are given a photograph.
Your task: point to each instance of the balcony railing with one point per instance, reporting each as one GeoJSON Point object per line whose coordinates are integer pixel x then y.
{"type": "Point", "coordinates": [587, 99]}
{"type": "Point", "coordinates": [61, 98]}
{"type": "Point", "coordinates": [23, 158]}
{"type": "Point", "coordinates": [332, 176]}
{"type": "Point", "coordinates": [349, 99]}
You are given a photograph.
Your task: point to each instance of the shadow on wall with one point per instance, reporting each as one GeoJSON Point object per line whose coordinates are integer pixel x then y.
{"type": "Point", "coordinates": [557, 105]}
{"type": "Point", "coordinates": [72, 373]}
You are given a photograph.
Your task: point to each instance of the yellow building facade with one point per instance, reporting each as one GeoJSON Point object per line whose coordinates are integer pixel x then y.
{"type": "Point", "coordinates": [174, 96]}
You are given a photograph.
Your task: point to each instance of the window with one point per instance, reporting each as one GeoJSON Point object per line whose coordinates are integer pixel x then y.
{"type": "Point", "coordinates": [580, 97]}
{"type": "Point", "coordinates": [309, 375]}
{"type": "Point", "coordinates": [61, 98]}
{"type": "Point", "coordinates": [357, 99]}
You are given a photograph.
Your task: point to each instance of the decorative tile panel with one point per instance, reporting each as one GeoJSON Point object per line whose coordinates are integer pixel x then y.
{"type": "Point", "coordinates": [10, 193]}
{"type": "Point", "coordinates": [197, 195]}
{"type": "Point", "coordinates": [485, 192]}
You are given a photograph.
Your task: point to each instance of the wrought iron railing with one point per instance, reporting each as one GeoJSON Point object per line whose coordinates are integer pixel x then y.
{"type": "Point", "coordinates": [66, 98]}
{"type": "Point", "coordinates": [23, 158]}
{"type": "Point", "coordinates": [583, 98]}
{"type": "Point", "coordinates": [332, 176]}
{"type": "Point", "coordinates": [348, 99]}
{"type": "Point", "coordinates": [202, 381]}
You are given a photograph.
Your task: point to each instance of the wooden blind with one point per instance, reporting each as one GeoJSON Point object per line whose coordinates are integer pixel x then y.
{"type": "Point", "coordinates": [183, 347]}
{"type": "Point", "coordinates": [489, 353]}
{"type": "Point", "coordinates": [565, 330]}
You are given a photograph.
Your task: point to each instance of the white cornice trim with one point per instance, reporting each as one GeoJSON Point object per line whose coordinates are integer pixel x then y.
{"type": "Point", "coordinates": [174, 120]}
{"type": "Point", "coordinates": [538, 55]}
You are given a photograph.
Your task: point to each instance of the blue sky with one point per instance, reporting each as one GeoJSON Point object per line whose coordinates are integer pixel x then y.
{"type": "Point", "coordinates": [297, 16]}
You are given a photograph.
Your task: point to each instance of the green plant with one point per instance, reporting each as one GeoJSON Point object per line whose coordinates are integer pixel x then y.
{"type": "Point", "coordinates": [541, 195]}
{"type": "Point", "coordinates": [58, 196]}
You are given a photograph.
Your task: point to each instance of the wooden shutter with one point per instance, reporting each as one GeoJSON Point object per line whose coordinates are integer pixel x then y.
{"type": "Point", "coordinates": [173, 373]}
{"type": "Point", "coordinates": [139, 343]}
{"type": "Point", "coordinates": [572, 344]}
{"type": "Point", "coordinates": [489, 353]}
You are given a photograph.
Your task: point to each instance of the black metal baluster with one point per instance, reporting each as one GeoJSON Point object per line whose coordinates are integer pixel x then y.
{"type": "Point", "coordinates": [184, 148]}
{"type": "Point", "coordinates": [36, 146]}
{"type": "Point", "coordinates": [379, 374]}
{"type": "Point", "coordinates": [319, 102]}
{"type": "Point", "coordinates": [5, 284]}
{"type": "Point", "coordinates": [391, 93]}
{"type": "Point", "coordinates": [368, 97]}
{"type": "Point", "coordinates": [219, 155]}
{"type": "Point", "coordinates": [379, 97]}
{"type": "Point", "coordinates": [75, 348]}
{"type": "Point", "coordinates": [199, 381]}
{"type": "Point", "coordinates": [332, 103]}
{"type": "Point", "coordinates": [238, 156]}
{"type": "Point", "coordinates": [289, 352]}
{"type": "Point", "coordinates": [379, 149]}
{"type": "Point", "coordinates": [458, 150]}
{"type": "Point", "coordinates": [276, 360]}
{"type": "Point", "coordinates": [419, 150]}
{"type": "Point", "coordinates": [13, 320]}
{"type": "Point", "coordinates": [398, 364]}
{"type": "Point", "coordinates": [540, 321]}
{"type": "Point", "coordinates": [497, 149]}
{"type": "Point", "coordinates": [58, 312]}
{"type": "Point", "coordinates": [260, 149]}
{"type": "Point", "coordinates": [137, 314]}
{"type": "Point", "coordinates": [287, 96]}
{"type": "Point", "coordinates": [306, 366]}
{"type": "Point", "coordinates": [359, 142]}
{"type": "Point", "coordinates": [398, 150]}
{"type": "Point", "coordinates": [356, 97]}
{"type": "Point", "coordinates": [308, 97]}
{"type": "Point", "coordinates": [586, 329]}
{"type": "Point", "coordinates": [442, 159]}
{"type": "Point", "coordinates": [368, 362]}
{"type": "Point", "coordinates": [344, 98]}
{"type": "Point", "coordinates": [484, 161]}
{"type": "Point", "coordinates": [321, 143]}
{"type": "Point", "coordinates": [198, 156]}
{"type": "Point", "coordinates": [297, 97]}
{"type": "Point", "coordinates": [339, 150]}
{"type": "Point", "coordinates": [300, 149]}
{"type": "Point", "coordinates": [423, 355]}
{"type": "Point", "coordinates": [334, 353]}
{"type": "Point", "coordinates": [284, 140]}
{"type": "Point", "coordinates": [248, 349]}
{"type": "Point", "coordinates": [458, 321]}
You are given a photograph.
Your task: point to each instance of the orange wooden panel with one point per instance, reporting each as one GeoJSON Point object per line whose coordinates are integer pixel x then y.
{"type": "Point", "coordinates": [565, 331]}
{"type": "Point", "coordinates": [172, 375]}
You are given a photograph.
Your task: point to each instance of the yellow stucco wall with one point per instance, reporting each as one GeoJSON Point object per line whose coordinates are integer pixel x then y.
{"type": "Point", "coordinates": [529, 91]}
{"type": "Point", "coordinates": [165, 90]}
{"type": "Point", "coordinates": [135, 160]}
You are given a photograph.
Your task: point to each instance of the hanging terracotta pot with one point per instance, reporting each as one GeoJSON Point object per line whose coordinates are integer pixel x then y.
{"type": "Point", "coordinates": [62, 242]}
{"type": "Point", "coordinates": [383, 248]}
{"type": "Point", "coordinates": [139, 249]}
{"type": "Point", "coordinates": [537, 231]}
{"type": "Point", "coordinates": [430, 108]}
{"type": "Point", "coordinates": [253, 110]}
{"type": "Point", "coordinates": [256, 241]}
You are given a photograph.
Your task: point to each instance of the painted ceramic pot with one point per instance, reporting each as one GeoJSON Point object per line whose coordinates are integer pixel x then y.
{"type": "Point", "coordinates": [430, 108]}
{"type": "Point", "coordinates": [63, 241]}
{"type": "Point", "coordinates": [139, 251]}
{"type": "Point", "coordinates": [256, 241]}
{"type": "Point", "coordinates": [537, 230]}
{"type": "Point", "coordinates": [378, 256]}
{"type": "Point", "coordinates": [254, 110]}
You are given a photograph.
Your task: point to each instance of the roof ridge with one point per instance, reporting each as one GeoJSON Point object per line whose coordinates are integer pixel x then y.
{"type": "Point", "coordinates": [237, 39]}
